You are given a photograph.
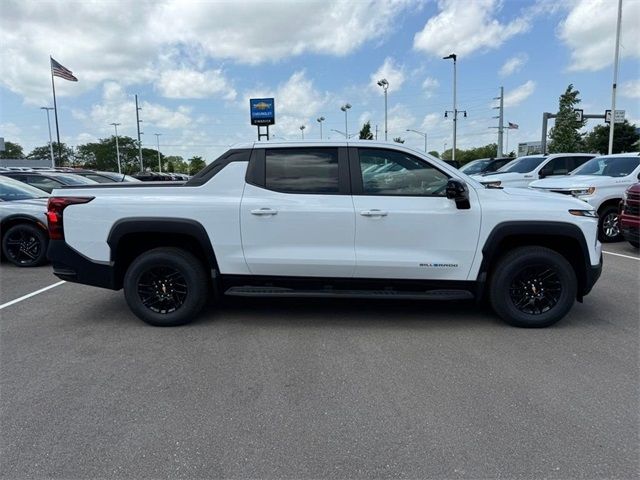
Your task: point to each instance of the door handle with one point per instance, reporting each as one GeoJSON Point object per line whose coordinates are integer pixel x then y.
{"type": "Point", "coordinates": [373, 213]}
{"type": "Point", "coordinates": [264, 211]}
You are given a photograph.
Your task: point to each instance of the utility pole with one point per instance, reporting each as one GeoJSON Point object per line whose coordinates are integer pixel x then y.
{"type": "Point", "coordinates": [615, 79]}
{"type": "Point", "coordinates": [500, 117]}
{"type": "Point", "coordinates": [138, 121]}
{"type": "Point", "coordinates": [158, 144]}
{"type": "Point", "coordinates": [115, 125]}
{"type": "Point", "coordinates": [53, 161]}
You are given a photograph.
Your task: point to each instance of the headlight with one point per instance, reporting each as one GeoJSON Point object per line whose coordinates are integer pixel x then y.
{"type": "Point", "coordinates": [584, 213]}
{"type": "Point", "coordinates": [583, 191]}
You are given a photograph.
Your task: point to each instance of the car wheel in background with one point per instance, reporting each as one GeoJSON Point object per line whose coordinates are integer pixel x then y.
{"type": "Point", "coordinates": [608, 226]}
{"type": "Point", "coordinates": [25, 245]}
{"type": "Point", "coordinates": [166, 287]}
{"type": "Point", "coordinates": [532, 287]}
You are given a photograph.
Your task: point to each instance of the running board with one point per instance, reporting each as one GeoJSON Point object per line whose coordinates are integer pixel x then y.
{"type": "Point", "coordinates": [334, 293]}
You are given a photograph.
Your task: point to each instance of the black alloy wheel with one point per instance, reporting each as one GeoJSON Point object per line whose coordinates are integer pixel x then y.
{"type": "Point", "coordinates": [536, 289]}
{"type": "Point", "coordinates": [162, 289]}
{"type": "Point", "coordinates": [25, 245]}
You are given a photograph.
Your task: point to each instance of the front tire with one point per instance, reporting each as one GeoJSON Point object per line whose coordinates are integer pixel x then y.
{"type": "Point", "coordinates": [532, 287]}
{"type": "Point", "coordinates": [608, 225]}
{"type": "Point", "coordinates": [25, 245]}
{"type": "Point", "coordinates": [166, 287]}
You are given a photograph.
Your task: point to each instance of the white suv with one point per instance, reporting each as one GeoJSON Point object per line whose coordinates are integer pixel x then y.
{"type": "Point", "coordinates": [524, 170]}
{"type": "Point", "coordinates": [600, 182]}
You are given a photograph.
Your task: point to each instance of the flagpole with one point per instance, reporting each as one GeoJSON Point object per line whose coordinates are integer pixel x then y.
{"type": "Point", "coordinates": [55, 109]}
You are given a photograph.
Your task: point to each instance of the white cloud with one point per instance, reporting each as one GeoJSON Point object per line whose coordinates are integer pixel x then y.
{"type": "Point", "coordinates": [589, 32]}
{"type": "Point", "coordinates": [430, 85]}
{"type": "Point", "coordinates": [400, 118]}
{"type": "Point", "coordinates": [431, 121]}
{"type": "Point", "coordinates": [187, 83]}
{"type": "Point", "coordinates": [513, 65]}
{"type": "Point", "coordinates": [99, 45]}
{"type": "Point", "coordinates": [518, 95]}
{"type": "Point", "coordinates": [393, 73]}
{"type": "Point", "coordinates": [464, 26]}
{"type": "Point", "coordinates": [630, 89]}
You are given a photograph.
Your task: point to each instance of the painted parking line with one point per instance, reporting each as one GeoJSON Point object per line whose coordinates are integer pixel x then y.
{"type": "Point", "coordinates": [621, 255]}
{"type": "Point", "coordinates": [32, 294]}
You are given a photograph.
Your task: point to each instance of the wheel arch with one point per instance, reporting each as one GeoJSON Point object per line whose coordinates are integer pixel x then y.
{"type": "Point", "coordinates": [16, 219]}
{"type": "Point", "coordinates": [565, 238]}
{"type": "Point", "coordinates": [129, 237]}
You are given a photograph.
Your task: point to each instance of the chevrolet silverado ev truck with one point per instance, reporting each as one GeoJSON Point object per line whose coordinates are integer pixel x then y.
{"type": "Point", "coordinates": [327, 219]}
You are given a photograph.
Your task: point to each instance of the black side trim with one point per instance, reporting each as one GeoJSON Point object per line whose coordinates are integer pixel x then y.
{"type": "Point", "coordinates": [72, 266]}
{"type": "Point", "coordinates": [551, 231]}
{"type": "Point", "coordinates": [125, 226]}
{"type": "Point", "coordinates": [208, 172]}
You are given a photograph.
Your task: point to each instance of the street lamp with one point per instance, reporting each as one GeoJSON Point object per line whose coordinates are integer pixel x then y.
{"type": "Point", "coordinates": [424, 134]}
{"type": "Point", "coordinates": [53, 162]}
{"type": "Point", "coordinates": [453, 57]}
{"type": "Point", "coordinates": [342, 133]}
{"type": "Point", "coordinates": [344, 108]}
{"type": "Point", "coordinates": [302, 127]}
{"type": "Point", "coordinates": [320, 120]}
{"type": "Point", "coordinates": [385, 86]}
{"type": "Point", "coordinates": [158, 143]}
{"type": "Point", "coordinates": [115, 125]}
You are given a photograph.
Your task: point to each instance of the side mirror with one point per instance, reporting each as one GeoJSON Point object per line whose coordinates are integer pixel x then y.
{"type": "Point", "coordinates": [457, 190]}
{"type": "Point", "coordinates": [545, 172]}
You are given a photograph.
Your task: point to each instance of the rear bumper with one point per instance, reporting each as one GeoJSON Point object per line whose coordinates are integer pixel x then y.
{"type": "Point", "coordinates": [72, 266]}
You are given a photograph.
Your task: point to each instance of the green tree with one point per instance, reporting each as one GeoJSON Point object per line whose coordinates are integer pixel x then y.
{"type": "Point", "coordinates": [12, 150]}
{"type": "Point", "coordinates": [398, 140]}
{"type": "Point", "coordinates": [365, 132]}
{"type": "Point", "coordinates": [624, 138]}
{"type": "Point", "coordinates": [64, 156]}
{"type": "Point", "coordinates": [196, 164]}
{"type": "Point", "coordinates": [565, 135]}
{"type": "Point", "coordinates": [466, 156]}
{"type": "Point", "coordinates": [434, 154]}
{"type": "Point", "coordinates": [101, 155]}
{"type": "Point", "coordinates": [177, 163]}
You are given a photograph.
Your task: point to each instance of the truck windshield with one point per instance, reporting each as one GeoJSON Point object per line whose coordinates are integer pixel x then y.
{"type": "Point", "coordinates": [477, 166]}
{"type": "Point", "coordinates": [608, 166]}
{"type": "Point", "coordinates": [522, 165]}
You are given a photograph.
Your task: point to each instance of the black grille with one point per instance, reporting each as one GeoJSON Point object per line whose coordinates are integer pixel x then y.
{"type": "Point", "coordinates": [632, 209]}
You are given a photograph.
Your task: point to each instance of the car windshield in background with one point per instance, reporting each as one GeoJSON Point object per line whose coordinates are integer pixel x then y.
{"type": "Point", "coordinates": [608, 166]}
{"type": "Point", "coordinates": [11, 189]}
{"type": "Point", "coordinates": [74, 179]}
{"type": "Point", "coordinates": [477, 166]}
{"type": "Point", "coordinates": [522, 165]}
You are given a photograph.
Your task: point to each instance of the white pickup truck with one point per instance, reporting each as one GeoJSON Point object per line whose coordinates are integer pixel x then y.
{"type": "Point", "coordinates": [327, 219]}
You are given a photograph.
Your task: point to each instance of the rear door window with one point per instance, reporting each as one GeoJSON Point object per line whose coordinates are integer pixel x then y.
{"type": "Point", "coordinates": [302, 170]}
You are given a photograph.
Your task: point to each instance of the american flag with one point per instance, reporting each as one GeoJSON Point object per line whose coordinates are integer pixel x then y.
{"type": "Point", "coordinates": [513, 126]}
{"type": "Point", "coordinates": [62, 72]}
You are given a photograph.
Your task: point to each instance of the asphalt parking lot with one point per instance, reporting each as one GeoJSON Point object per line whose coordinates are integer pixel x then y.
{"type": "Point", "coordinates": [317, 389]}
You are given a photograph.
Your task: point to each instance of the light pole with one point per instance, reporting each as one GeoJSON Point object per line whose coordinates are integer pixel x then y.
{"type": "Point", "coordinates": [615, 79]}
{"type": "Point", "coordinates": [320, 120]}
{"type": "Point", "coordinates": [115, 125]}
{"type": "Point", "coordinates": [342, 133]}
{"type": "Point", "coordinates": [302, 127]}
{"type": "Point", "coordinates": [454, 57]}
{"type": "Point", "coordinates": [53, 162]}
{"type": "Point", "coordinates": [385, 86]}
{"type": "Point", "coordinates": [344, 108]}
{"type": "Point", "coordinates": [424, 134]}
{"type": "Point", "coordinates": [158, 144]}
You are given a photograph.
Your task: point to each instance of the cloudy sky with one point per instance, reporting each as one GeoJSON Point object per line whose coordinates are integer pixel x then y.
{"type": "Point", "coordinates": [194, 66]}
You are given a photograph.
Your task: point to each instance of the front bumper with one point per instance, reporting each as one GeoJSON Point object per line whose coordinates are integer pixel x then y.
{"type": "Point", "coordinates": [592, 275]}
{"type": "Point", "coordinates": [72, 266]}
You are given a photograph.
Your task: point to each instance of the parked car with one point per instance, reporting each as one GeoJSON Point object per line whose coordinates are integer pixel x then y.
{"type": "Point", "coordinates": [524, 170]}
{"type": "Point", "coordinates": [154, 177]}
{"type": "Point", "coordinates": [333, 219]}
{"type": "Point", "coordinates": [485, 165]}
{"type": "Point", "coordinates": [47, 181]}
{"type": "Point", "coordinates": [629, 216]}
{"type": "Point", "coordinates": [105, 177]}
{"type": "Point", "coordinates": [601, 182]}
{"type": "Point", "coordinates": [23, 223]}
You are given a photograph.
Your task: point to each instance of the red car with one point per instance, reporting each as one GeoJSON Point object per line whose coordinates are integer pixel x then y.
{"type": "Point", "coordinates": [629, 218]}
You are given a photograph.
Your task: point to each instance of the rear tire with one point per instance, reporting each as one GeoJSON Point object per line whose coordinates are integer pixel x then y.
{"type": "Point", "coordinates": [532, 287]}
{"type": "Point", "coordinates": [608, 226]}
{"type": "Point", "coordinates": [166, 287]}
{"type": "Point", "coordinates": [25, 245]}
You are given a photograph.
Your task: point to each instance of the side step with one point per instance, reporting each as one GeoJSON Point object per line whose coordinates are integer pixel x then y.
{"type": "Point", "coordinates": [248, 291]}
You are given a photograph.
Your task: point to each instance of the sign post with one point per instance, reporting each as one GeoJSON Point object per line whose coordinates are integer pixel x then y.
{"type": "Point", "coordinates": [263, 114]}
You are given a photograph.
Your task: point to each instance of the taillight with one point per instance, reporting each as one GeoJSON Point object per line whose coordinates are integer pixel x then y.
{"type": "Point", "coordinates": [54, 213]}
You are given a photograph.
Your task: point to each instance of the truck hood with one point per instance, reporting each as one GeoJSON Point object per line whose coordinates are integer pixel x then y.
{"type": "Point", "coordinates": [528, 194]}
{"type": "Point", "coordinates": [570, 182]}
